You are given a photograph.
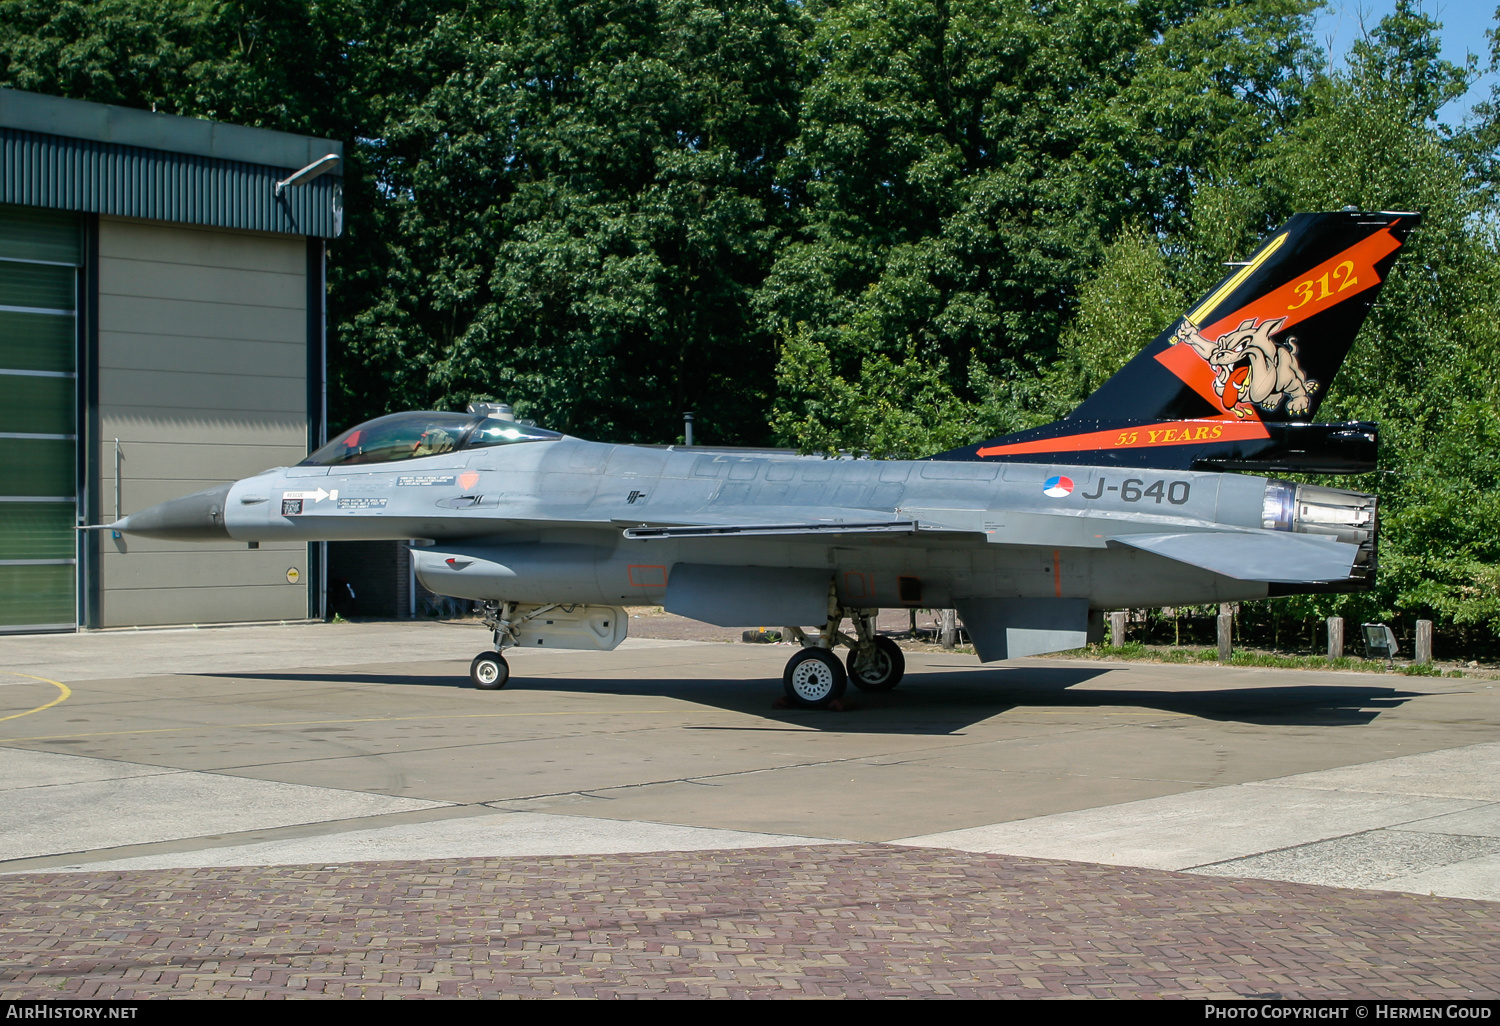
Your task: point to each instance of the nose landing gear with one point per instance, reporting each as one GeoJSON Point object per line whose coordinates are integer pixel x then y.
{"type": "Point", "coordinates": [489, 671]}
{"type": "Point", "coordinates": [815, 678]}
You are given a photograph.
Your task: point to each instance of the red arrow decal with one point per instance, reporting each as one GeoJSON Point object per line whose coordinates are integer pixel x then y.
{"type": "Point", "coordinates": [1172, 432]}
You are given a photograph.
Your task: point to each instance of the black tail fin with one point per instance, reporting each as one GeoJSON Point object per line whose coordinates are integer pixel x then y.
{"type": "Point", "coordinates": [1234, 383]}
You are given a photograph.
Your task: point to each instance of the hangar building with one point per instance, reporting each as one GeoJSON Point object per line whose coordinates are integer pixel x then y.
{"type": "Point", "coordinates": [161, 331]}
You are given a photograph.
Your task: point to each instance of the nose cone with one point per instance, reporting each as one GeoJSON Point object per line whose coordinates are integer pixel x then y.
{"type": "Point", "coordinates": [196, 517]}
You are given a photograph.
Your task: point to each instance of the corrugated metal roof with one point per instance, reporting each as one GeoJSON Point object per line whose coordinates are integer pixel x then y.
{"type": "Point", "coordinates": [62, 173]}
{"type": "Point", "coordinates": [171, 133]}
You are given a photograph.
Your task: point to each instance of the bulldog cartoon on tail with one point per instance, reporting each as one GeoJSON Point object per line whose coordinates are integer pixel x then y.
{"type": "Point", "coordinates": [1230, 383]}
{"type": "Point", "coordinates": [1252, 367]}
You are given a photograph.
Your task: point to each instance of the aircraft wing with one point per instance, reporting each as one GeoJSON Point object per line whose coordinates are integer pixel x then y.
{"type": "Point", "coordinates": [763, 530]}
{"type": "Point", "coordinates": [775, 521]}
{"type": "Point", "coordinates": [1246, 555]}
{"type": "Point", "coordinates": [1270, 556]}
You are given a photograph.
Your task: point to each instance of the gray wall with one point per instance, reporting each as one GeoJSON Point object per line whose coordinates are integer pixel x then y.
{"type": "Point", "coordinates": [202, 377]}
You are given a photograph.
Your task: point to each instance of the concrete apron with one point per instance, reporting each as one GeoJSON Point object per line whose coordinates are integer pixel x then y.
{"type": "Point", "coordinates": [1426, 823]}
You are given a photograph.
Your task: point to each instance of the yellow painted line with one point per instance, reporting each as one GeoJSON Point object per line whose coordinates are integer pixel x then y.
{"type": "Point", "coordinates": [315, 723]}
{"type": "Point", "coordinates": [64, 693]}
{"type": "Point", "coordinates": [1210, 305]}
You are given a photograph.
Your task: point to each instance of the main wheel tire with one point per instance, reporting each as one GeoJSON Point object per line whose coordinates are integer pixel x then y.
{"type": "Point", "coordinates": [814, 677]}
{"type": "Point", "coordinates": [489, 671]}
{"type": "Point", "coordinates": [882, 670]}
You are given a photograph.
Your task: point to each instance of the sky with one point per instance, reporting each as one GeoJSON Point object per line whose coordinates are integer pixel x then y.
{"type": "Point", "coordinates": [1464, 23]}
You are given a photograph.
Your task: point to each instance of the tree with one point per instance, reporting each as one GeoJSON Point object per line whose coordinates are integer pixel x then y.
{"type": "Point", "coordinates": [961, 165]}
{"type": "Point", "coordinates": [1422, 363]}
{"type": "Point", "coordinates": [1132, 298]}
{"type": "Point", "coordinates": [580, 209]}
{"type": "Point", "coordinates": [338, 69]}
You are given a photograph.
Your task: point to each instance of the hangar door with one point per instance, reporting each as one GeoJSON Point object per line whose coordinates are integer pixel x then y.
{"type": "Point", "coordinates": [40, 255]}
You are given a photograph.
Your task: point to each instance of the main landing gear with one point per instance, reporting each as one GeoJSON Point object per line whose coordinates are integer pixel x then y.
{"type": "Point", "coordinates": [815, 678]}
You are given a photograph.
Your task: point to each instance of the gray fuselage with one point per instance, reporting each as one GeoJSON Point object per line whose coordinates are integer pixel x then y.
{"type": "Point", "coordinates": [544, 522]}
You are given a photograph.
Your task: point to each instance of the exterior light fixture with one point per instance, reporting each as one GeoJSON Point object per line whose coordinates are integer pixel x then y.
{"type": "Point", "coordinates": [1380, 642]}
{"type": "Point", "coordinates": [307, 174]}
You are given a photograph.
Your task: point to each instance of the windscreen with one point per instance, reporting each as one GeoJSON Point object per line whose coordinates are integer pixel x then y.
{"type": "Point", "coordinates": [400, 436]}
{"type": "Point", "coordinates": [492, 431]}
{"type": "Point", "coordinates": [410, 436]}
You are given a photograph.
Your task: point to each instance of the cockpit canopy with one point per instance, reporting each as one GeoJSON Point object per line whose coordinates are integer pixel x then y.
{"type": "Point", "coordinates": [410, 436]}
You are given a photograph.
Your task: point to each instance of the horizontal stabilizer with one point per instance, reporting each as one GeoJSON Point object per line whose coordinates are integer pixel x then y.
{"type": "Point", "coordinates": [1253, 555]}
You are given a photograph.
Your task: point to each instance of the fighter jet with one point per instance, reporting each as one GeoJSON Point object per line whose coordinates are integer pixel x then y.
{"type": "Point", "coordinates": [1148, 494]}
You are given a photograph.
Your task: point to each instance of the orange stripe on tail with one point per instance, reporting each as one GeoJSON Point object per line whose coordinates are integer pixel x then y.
{"type": "Point", "coordinates": [1172, 432]}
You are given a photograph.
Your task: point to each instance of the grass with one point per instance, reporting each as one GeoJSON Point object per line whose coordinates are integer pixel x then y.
{"type": "Point", "coordinates": [1134, 650]}
{"type": "Point", "coordinates": [1415, 670]}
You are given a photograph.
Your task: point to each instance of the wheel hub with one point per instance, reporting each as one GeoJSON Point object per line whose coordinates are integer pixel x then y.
{"type": "Point", "coordinates": [874, 666]}
{"type": "Point", "coordinates": [812, 680]}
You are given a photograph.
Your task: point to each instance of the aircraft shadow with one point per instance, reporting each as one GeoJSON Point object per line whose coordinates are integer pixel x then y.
{"type": "Point", "coordinates": [944, 703]}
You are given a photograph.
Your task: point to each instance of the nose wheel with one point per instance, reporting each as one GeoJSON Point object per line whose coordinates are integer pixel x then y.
{"type": "Point", "coordinates": [489, 671]}
{"type": "Point", "coordinates": [814, 678]}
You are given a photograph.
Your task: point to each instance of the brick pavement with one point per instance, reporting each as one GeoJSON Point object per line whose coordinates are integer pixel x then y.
{"type": "Point", "coordinates": [837, 920]}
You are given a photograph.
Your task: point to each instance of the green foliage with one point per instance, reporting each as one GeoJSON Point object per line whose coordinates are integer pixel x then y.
{"type": "Point", "coordinates": [283, 64]}
{"type": "Point", "coordinates": [1421, 365]}
{"type": "Point", "coordinates": [960, 166]}
{"type": "Point", "coordinates": [1131, 298]}
{"type": "Point", "coordinates": [1426, 670]}
{"type": "Point", "coordinates": [893, 410]}
{"type": "Point", "coordinates": [579, 211]}
{"type": "Point", "coordinates": [1134, 650]}
{"type": "Point", "coordinates": [112, 51]}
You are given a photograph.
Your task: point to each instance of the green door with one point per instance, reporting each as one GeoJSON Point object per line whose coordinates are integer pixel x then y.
{"type": "Point", "coordinates": [40, 255]}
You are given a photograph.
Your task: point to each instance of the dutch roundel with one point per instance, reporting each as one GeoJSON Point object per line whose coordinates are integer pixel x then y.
{"type": "Point", "coordinates": [1057, 486]}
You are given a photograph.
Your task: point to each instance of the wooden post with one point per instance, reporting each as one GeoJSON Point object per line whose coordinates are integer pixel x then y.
{"type": "Point", "coordinates": [1424, 642]}
{"type": "Point", "coordinates": [1335, 637]}
{"type": "Point", "coordinates": [949, 631]}
{"type": "Point", "coordinates": [1226, 633]}
{"type": "Point", "coordinates": [1117, 628]}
